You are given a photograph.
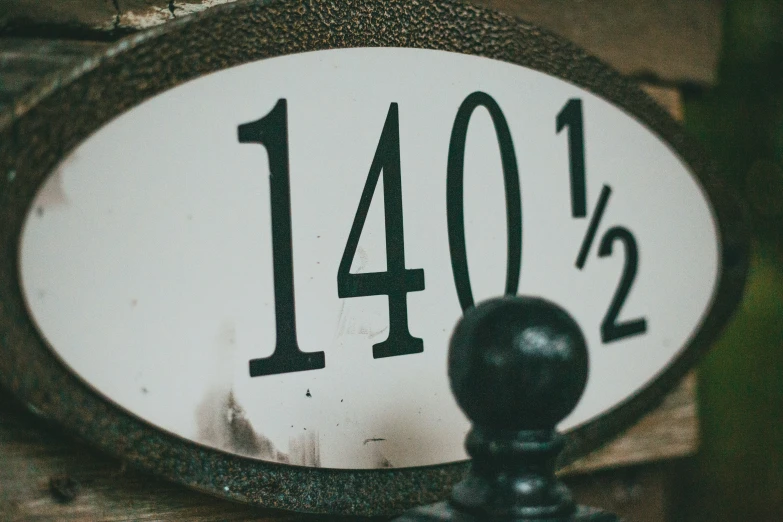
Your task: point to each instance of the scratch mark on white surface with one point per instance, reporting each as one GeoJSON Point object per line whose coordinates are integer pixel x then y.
{"type": "Point", "coordinates": [373, 335]}
{"type": "Point", "coordinates": [361, 254]}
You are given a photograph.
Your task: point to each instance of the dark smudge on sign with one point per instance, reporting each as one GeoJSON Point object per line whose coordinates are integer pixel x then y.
{"type": "Point", "coordinates": [384, 463]}
{"type": "Point", "coordinates": [52, 194]}
{"type": "Point", "coordinates": [305, 450]}
{"type": "Point", "coordinates": [222, 423]}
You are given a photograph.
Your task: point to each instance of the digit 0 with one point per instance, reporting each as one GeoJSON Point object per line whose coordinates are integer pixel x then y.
{"type": "Point", "coordinates": [455, 211]}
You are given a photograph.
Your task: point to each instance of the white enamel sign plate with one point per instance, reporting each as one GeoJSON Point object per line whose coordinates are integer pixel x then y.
{"type": "Point", "coordinates": [147, 257]}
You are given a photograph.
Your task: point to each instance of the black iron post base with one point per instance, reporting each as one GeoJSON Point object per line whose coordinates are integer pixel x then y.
{"type": "Point", "coordinates": [446, 512]}
{"type": "Point", "coordinates": [517, 367]}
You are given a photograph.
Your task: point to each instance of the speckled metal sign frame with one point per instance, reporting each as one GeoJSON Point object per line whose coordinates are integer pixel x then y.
{"type": "Point", "coordinates": [51, 121]}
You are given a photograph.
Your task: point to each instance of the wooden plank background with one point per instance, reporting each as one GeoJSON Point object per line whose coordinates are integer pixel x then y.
{"type": "Point", "coordinates": [672, 40]}
{"type": "Point", "coordinates": [47, 475]}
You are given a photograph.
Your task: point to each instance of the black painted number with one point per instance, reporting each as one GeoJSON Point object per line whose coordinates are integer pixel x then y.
{"type": "Point", "coordinates": [271, 131]}
{"type": "Point", "coordinates": [455, 214]}
{"type": "Point", "coordinates": [611, 330]}
{"type": "Point", "coordinates": [571, 116]}
{"type": "Point", "coordinates": [396, 281]}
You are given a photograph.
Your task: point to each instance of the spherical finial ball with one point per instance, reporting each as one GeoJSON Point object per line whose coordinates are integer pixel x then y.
{"type": "Point", "coordinates": [517, 363]}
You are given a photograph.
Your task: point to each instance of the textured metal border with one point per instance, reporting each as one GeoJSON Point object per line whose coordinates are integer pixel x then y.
{"type": "Point", "coordinates": [78, 102]}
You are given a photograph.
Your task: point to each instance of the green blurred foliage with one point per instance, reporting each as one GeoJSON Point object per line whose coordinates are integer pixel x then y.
{"type": "Point", "coordinates": [741, 120]}
{"type": "Point", "coordinates": [738, 473]}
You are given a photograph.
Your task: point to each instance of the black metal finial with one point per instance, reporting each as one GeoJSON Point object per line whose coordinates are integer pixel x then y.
{"type": "Point", "coordinates": [518, 366]}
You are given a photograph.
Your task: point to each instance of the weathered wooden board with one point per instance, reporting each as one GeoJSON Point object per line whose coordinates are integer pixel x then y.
{"type": "Point", "coordinates": [94, 14]}
{"type": "Point", "coordinates": [669, 39]}
{"type": "Point", "coordinates": [25, 63]}
{"type": "Point", "coordinates": [45, 475]}
{"type": "Point", "coordinates": [672, 40]}
{"type": "Point", "coordinates": [667, 432]}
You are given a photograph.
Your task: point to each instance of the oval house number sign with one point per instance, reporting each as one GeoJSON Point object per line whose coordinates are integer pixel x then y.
{"type": "Point", "coordinates": [237, 245]}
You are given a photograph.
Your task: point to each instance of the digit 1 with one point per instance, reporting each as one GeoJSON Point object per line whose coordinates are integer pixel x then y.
{"type": "Point", "coordinates": [271, 131]}
{"type": "Point", "coordinates": [571, 117]}
{"type": "Point", "coordinates": [397, 281]}
{"type": "Point", "coordinates": [455, 211]}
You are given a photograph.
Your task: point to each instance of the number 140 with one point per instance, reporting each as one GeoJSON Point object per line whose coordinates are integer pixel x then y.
{"type": "Point", "coordinates": [396, 282]}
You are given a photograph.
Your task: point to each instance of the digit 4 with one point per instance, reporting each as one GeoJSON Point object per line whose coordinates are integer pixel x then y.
{"type": "Point", "coordinates": [397, 280]}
